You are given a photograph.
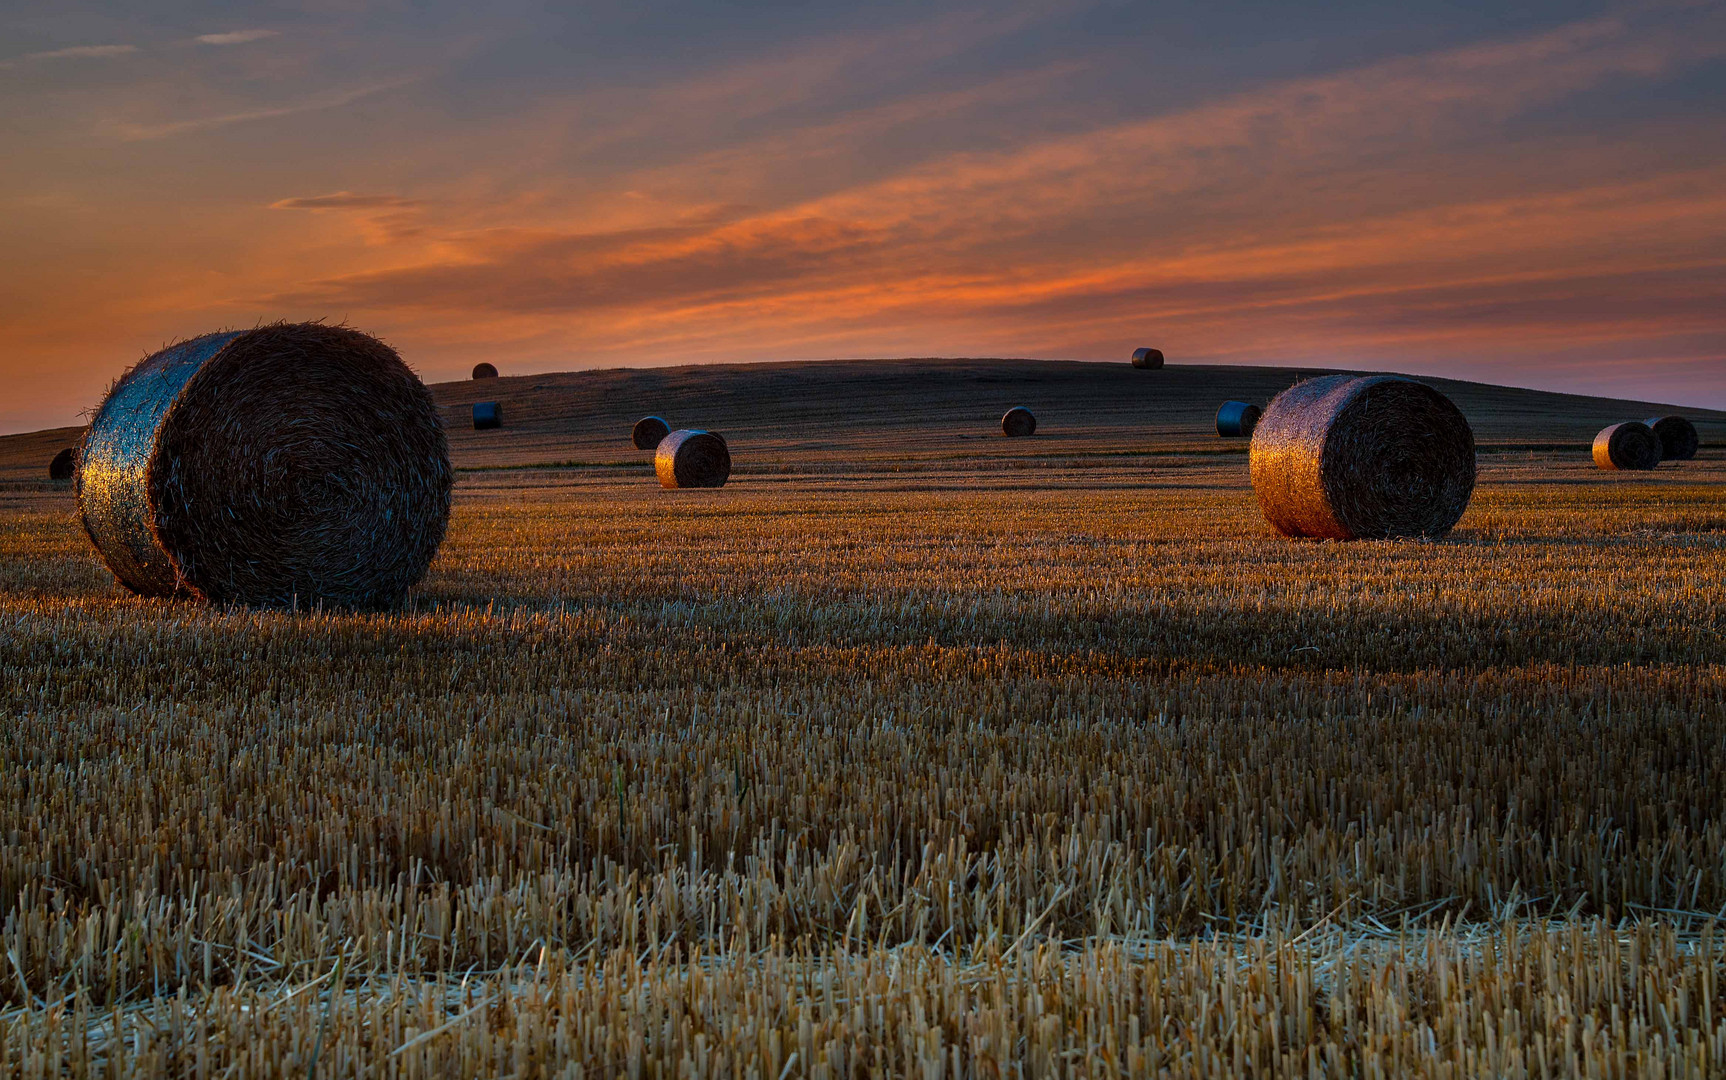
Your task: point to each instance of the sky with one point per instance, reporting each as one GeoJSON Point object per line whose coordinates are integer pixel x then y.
{"type": "Point", "coordinates": [1523, 193]}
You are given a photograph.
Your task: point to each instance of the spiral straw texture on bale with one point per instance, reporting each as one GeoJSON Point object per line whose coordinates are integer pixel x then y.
{"type": "Point", "coordinates": [484, 371]}
{"type": "Point", "coordinates": [1236, 419]}
{"type": "Point", "coordinates": [1018, 422]}
{"type": "Point", "coordinates": [1352, 457]}
{"type": "Point", "coordinates": [64, 465]}
{"type": "Point", "coordinates": [1148, 358]}
{"type": "Point", "coordinates": [692, 459]}
{"type": "Point", "coordinates": [648, 431]}
{"type": "Point", "coordinates": [1677, 435]}
{"type": "Point", "coordinates": [293, 464]}
{"type": "Point", "coordinates": [1630, 445]}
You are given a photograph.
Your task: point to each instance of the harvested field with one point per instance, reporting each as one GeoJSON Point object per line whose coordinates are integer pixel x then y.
{"type": "Point", "coordinates": [913, 753]}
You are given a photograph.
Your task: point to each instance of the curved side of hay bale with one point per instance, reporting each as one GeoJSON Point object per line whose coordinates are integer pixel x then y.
{"type": "Point", "coordinates": [483, 370]}
{"type": "Point", "coordinates": [1148, 359]}
{"type": "Point", "coordinates": [1348, 457]}
{"type": "Point", "coordinates": [64, 465]}
{"type": "Point", "coordinates": [1630, 445]}
{"type": "Point", "coordinates": [1018, 422]}
{"type": "Point", "coordinates": [1677, 435]}
{"type": "Point", "coordinates": [648, 431]}
{"type": "Point", "coordinates": [692, 459]}
{"type": "Point", "coordinates": [487, 414]}
{"type": "Point", "coordinates": [1236, 419]}
{"type": "Point", "coordinates": [290, 464]}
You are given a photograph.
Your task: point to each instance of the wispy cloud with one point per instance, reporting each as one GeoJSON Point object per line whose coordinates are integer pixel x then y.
{"type": "Point", "coordinates": [76, 52]}
{"type": "Point", "coordinates": [132, 131]}
{"type": "Point", "coordinates": [236, 37]}
{"type": "Point", "coordinates": [345, 200]}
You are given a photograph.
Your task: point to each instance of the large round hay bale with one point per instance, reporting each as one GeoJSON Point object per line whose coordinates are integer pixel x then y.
{"type": "Point", "coordinates": [1149, 359]}
{"type": "Point", "coordinates": [484, 371]}
{"type": "Point", "coordinates": [1236, 419]}
{"type": "Point", "coordinates": [692, 459]}
{"type": "Point", "coordinates": [1630, 445]}
{"type": "Point", "coordinates": [1677, 435]}
{"type": "Point", "coordinates": [487, 415]}
{"type": "Point", "coordinates": [648, 431]}
{"type": "Point", "coordinates": [64, 465]}
{"type": "Point", "coordinates": [1018, 422]}
{"type": "Point", "coordinates": [293, 464]}
{"type": "Point", "coordinates": [1349, 457]}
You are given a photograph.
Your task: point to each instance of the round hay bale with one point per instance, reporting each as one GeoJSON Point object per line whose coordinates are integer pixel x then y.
{"type": "Point", "coordinates": [692, 459]}
{"type": "Point", "coordinates": [1236, 419]}
{"type": "Point", "coordinates": [487, 414]}
{"type": "Point", "coordinates": [1149, 359]}
{"type": "Point", "coordinates": [1018, 422]}
{"type": "Point", "coordinates": [1348, 457]}
{"type": "Point", "coordinates": [1678, 440]}
{"type": "Point", "coordinates": [65, 463]}
{"type": "Point", "coordinates": [648, 431]}
{"type": "Point", "coordinates": [294, 464]}
{"type": "Point", "coordinates": [484, 371]}
{"type": "Point", "coordinates": [1630, 445]}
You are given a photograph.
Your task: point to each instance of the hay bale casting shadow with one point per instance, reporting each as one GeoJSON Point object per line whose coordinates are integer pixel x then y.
{"type": "Point", "coordinates": [1350, 457]}
{"type": "Point", "coordinates": [648, 431]}
{"type": "Point", "coordinates": [487, 414]}
{"type": "Point", "coordinates": [64, 465]}
{"type": "Point", "coordinates": [1148, 359]}
{"type": "Point", "coordinates": [1630, 445]}
{"type": "Point", "coordinates": [1236, 419]}
{"type": "Point", "coordinates": [291, 464]}
{"type": "Point", "coordinates": [1678, 440]}
{"type": "Point", "coordinates": [484, 371]}
{"type": "Point", "coordinates": [1018, 422]}
{"type": "Point", "coordinates": [692, 459]}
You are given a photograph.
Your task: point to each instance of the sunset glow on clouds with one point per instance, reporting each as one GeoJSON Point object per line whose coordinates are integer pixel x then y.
{"type": "Point", "coordinates": [1539, 201]}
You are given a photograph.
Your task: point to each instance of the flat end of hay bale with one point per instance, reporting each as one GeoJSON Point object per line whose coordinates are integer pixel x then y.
{"type": "Point", "coordinates": [64, 465]}
{"type": "Point", "coordinates": [1237, 419]}
{"type": "Point", "coordinates": [692, 458]}
{"type": "Point", "coordinates": [1148, 359]}
{"type": "Point", "coordinates": [1631, 445]}
{"type": "Point", "coordinates": [484, 371]}
{"type": "Point", "coordinates": [1349, 457]}
{"type": "Point", "coordinates": [1677, 435]}
{"type": "Point", "coordinates": [648, 431]}
{"type": "Point", "coordinates": [487, 415]}
{"type": "Point", "coordinates": [1018, 423]}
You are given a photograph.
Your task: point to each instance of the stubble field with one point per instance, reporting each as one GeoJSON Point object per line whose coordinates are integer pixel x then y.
{"type": "Point", "coordinates": [915, 751]}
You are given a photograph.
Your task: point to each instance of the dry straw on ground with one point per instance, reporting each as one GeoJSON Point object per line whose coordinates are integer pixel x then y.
{"type": "Point", "coordinates": [487, 415]}
{"type": "Point", "coordinates": [483, 370]}
{"type": "Point", "coordinates": [648, 431]}
{"type": "Point", "coordinates": [692, 459]}
{"type": "Point", "coordinates": [1630, 445]}
{"type": "Point", "coordinates": [1018, 422]}
{"type": "Point", "coordinates": [1236, 419]}
{"type": "Point", "coordinates": [1150, 359]}
{"type": "Point", "coordinates": [292, 464]}
{"type": "Point", "coordinates": [1348, 457]}
{"type": "Point", "coordinates": [1677, 435]}
{"type": "Point", "coordinates": [64, 465]}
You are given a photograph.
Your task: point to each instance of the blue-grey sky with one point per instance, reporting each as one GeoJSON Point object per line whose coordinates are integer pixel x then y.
{"type": "Point", "coordinates": [1525, 193]}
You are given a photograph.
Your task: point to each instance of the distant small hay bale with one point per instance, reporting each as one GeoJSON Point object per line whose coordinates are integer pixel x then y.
{"type": "Point", "coordinates": [648, 431]}
{"type": "Point", "coordinates": [484, 371]}
{"type": "Point", "coordinates": [1018, 422]}
{"type": "Point", "coordinates": [692, 459]}
{"type": "Point", "coordinates": [1236, 419]}
{"type": "Point", "coordinates": [487, 414]}
{"type": "Point", "coordinates": [291, 464]}
{"type": "Point", "coordinates": [1348, 457]}
{"type": "Point", "coordinates": [64, 465]}
{"type": "Point", "coordinates": [1630, 445]}
{"type": "Point", "coordinates": [1677, 435]}
{"type": "Point", "coordinates": [1149, 359]}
